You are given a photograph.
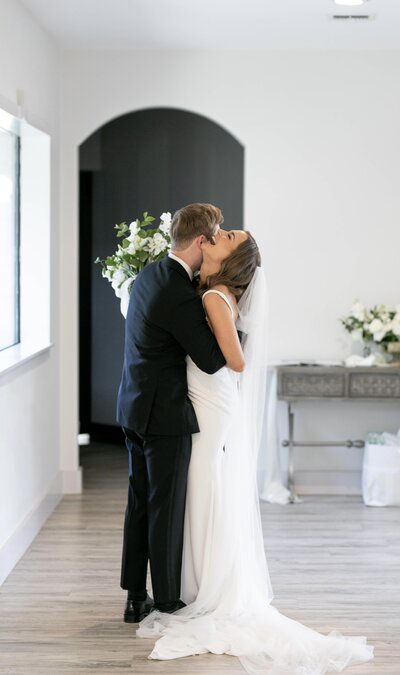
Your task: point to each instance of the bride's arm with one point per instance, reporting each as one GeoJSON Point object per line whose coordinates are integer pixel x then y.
{"type": "Point", "coordinates": [223, 326]}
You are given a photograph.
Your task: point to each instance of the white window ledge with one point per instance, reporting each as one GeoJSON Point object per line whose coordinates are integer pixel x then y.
{"type": "Point", "coordinates": [12, 357]}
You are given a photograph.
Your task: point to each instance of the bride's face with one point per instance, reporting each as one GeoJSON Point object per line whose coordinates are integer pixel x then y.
{"type": "Point", "coordinates": [225, 243]}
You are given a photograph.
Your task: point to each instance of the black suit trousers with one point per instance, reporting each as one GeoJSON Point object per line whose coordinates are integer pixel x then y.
{"type": "Point", "coordinates": [153, 529]}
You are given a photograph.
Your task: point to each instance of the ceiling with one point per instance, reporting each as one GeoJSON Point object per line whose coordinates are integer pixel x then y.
{"type": "Point", "coordinates": [217, 24]}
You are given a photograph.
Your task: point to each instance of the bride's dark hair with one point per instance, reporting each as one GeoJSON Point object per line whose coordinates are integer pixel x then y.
{"type": "Point", "coordinates": [237, 270]}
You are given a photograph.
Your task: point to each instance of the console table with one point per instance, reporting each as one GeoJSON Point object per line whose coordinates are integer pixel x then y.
{"type": "Point", "coordinates": [309, 382]}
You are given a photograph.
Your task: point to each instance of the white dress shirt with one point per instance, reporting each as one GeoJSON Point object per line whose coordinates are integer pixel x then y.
{"type": "Point", "coordinates": [183, 263]}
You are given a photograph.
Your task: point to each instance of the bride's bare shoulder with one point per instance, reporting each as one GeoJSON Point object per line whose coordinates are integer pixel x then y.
{"type": "Point", "coordinates": [223, 289]}
{"type": "Point", "coordinates": [220, 287]}
{"type": "Point", "coordinates": [230, 297]}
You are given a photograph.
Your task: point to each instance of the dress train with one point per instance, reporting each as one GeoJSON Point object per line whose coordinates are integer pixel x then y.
{"type": "Point", "coordinates": [225, 580]}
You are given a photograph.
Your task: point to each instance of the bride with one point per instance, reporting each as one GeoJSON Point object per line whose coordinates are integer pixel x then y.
{"type": "Point", "coordinates": [225, 580]}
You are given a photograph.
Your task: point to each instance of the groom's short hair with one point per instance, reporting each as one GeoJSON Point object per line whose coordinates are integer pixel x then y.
{"type": "Point", "coordinates": [193, 220]}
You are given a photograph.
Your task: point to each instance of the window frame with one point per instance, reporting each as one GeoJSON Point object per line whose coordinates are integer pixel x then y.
{"type": "Point", "coordinates": [33, 242]}
{"type": "Point", "coordinates": [16, 237]}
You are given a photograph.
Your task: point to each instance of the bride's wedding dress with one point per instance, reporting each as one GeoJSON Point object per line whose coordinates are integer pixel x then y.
{"type": "Point", "coordinates": [225, 581]}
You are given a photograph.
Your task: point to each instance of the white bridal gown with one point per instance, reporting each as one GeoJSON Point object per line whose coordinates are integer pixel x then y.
{"type": "Point", "coordinates": [225, 581]}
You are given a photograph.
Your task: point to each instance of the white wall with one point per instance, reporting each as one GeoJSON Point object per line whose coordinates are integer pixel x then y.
{"type": "Point", "coordinates": [29, 394]}
{"type": "Point", "coordinates": [322, 142]}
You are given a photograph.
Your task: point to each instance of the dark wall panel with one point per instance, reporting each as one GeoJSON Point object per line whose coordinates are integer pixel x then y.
{"type": "Point", "coordinates": [153, 160]}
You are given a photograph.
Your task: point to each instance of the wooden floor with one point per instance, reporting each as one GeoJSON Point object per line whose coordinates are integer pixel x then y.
{"type": "Point", "coordinates": [333, 562]}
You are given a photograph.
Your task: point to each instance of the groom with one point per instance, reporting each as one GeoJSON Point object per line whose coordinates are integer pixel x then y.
{"type": "Point", "coordinates": [165, 322]}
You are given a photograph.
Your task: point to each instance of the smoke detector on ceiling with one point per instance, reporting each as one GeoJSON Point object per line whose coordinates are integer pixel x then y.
{"type": "Point", "coordinates": [351, 17]}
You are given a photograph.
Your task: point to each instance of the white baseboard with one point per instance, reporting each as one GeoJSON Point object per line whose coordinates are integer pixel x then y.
{"type": "Point", "coordinates": [64, 482]}
{"type": "Point", "coordinates": [328, 482]}
{"type": "Point", "coordinates": [16, 545]}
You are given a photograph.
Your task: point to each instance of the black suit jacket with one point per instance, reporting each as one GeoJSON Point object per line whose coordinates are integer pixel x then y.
{"type": "Point", "coordinates": [165, 322]}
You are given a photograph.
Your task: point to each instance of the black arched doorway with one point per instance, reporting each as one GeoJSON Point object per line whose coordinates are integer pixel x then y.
{"type": "Point", "coordinates": [152, 160]}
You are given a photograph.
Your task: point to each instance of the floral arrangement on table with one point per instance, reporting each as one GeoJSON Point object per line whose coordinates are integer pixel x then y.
{"type": "Point", "coordinates": [379, 325]}
{"type": "Point", "coordinates": [141, 244]}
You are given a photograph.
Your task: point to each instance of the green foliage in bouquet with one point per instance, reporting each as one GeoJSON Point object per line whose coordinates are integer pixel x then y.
{"type": "Point", "coordinates": [141, 244]}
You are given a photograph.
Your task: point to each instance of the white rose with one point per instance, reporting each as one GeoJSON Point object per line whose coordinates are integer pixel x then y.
{"type": "Point", "coordinates": [375, 326]}
{"type": "Point", "coordinates": [397, 309]}
{"type": "Point", "coordinates": [358, 311]}
{"type": "Point", "coordinates": [160, 241]}
{"type": "Point", "coordinates": [156, 244]}
{"type": "Point", "coordinates": [149, 245]}
{"type": "Point", "coordinates": [165, 219]}
{"type": "Point", "coordinates": [133, 230]}
{"type": "Point", "coordinates": [377, 329]}
{"type": "Point", "coordinates": [140, 242]}
{"type": "Point", "coordinates": [131, 248]}
{"type": "Point", "coordinates": [396, 327]}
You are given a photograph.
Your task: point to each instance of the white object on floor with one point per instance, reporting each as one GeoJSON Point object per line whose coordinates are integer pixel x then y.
{"type": "Point", "coordinates": [381, 472]}
{"type": "Point", "coordinates": [83, 439]}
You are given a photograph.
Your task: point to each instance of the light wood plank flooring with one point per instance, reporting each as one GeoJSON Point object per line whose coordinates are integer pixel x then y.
{"type": "Point", "coordinates": [333, 562]}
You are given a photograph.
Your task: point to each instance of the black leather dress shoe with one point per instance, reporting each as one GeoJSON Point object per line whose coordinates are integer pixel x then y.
{"type": "Point", "coordinates": [169, 607]}
{"type": "Point", "coordinates": [136, 610]}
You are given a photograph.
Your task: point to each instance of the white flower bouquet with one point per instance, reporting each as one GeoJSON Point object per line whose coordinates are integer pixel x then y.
{"type": "Point", "coordinates": [141, 244]}
{"type": "Point", "coordinates": [379, 325]}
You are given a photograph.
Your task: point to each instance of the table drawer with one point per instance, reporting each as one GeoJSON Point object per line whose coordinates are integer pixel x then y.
{"type": "Point", "coordinates": [374, 385]}
{"type": "Point", "coordinates": [311, 385]}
